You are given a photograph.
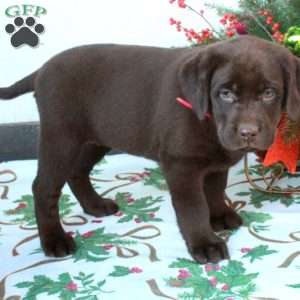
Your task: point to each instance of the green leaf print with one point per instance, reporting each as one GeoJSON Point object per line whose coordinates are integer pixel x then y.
{"type": "Point", "coordinates": [65, 287]}
{"type": "Point", "coordinates": [258, 252]}
{"type": "Point", "coordinates": [139, 210]}
{"type": "Point", "coordinates": [96, 245]}
{"type": "Point", "coordinates": [95, 171]}
{"type": "Point", "coordinates": [257, 198]}
{"type": "Point", "coordinates": [250, 217]}
{"type": "Point", "coordinates": [155, 178]}
{"type": "Point", "coordinates": [212, 282]}
{"type": "Point", "coordinates": [120, 271]}
{"type": "Point", "coordinates": [295, 286]}
{"type": "Point", "coordinates": [25, 209]}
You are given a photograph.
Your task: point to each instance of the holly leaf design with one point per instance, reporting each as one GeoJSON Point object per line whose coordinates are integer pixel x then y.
{"type": "Point", "coordinates": [140, 210]}
{"type": "Point", "coordinates": [95, 245]}
{"type": "Point", "coordinates": [216, 283]}
{"type": "Point", "coordinates": [120, 271]}
{"type": "Point", "coordinates": [155, 178]}
{"type": "Point", "coordinates": [250, 217]}
{"type": "Point", "coordinates": [25, 209]}
{"type": "Point", "coordinates": [80, 287]}
{"type": "Point", "coordinates": [95, 171]}
{"type": "Point", "coordinates": [259, 252]}
{"type": "Point", "coordinates": [295, 286]}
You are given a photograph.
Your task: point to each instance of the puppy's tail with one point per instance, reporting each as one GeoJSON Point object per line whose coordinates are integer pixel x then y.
{"type": "Point", "coordinates": [21, 87]}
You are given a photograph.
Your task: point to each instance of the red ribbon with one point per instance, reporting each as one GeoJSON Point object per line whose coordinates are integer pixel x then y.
{"type": "Point", "coordinates": [188, 105]}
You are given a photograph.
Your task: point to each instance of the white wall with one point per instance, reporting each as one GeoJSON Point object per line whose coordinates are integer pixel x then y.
{"type": "Point", "coordinates": [72, 23]}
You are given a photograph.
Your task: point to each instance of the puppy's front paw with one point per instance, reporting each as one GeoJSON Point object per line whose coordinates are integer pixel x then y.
{"type": "Point", "coordinates": [58, 245]}
{"type": "Point", "coordinates": [211, 250]}
{"type": "Point", "coordinates": [228, 220]}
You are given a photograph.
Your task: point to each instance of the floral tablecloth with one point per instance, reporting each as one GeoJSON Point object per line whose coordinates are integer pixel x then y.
{"type": "Point", "coordinates": [139, 253]}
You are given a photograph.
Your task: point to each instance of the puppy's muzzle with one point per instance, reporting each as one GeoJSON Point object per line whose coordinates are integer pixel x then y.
{"type": "Point", "coordinates": [248, 134]}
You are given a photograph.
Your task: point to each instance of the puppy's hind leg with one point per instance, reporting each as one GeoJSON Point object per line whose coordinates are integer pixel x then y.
{"type": "Point", "coordinates": [81, 186]}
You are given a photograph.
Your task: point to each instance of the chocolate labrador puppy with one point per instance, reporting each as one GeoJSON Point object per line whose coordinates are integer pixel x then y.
{"type": "Point", "coordinates": [99, 97]}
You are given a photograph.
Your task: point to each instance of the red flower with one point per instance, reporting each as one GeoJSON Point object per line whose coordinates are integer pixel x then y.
{"type": "Point", "coordinates": [225, 287]}
{"type": "Point", "coordinates": [135, 270]}
{"type": "Point", "coordinates": [151, 215]}
{"type": "Point", "coordinates": [246, 249]}
{"type": "Point", "coordinates": [71, 286]}
{"type": "Point", "coordinates": [88, 234]}
{"type": "Point", "coordinates": [21, 206]}
{"type": "Point", "coordinates": [183, 274]}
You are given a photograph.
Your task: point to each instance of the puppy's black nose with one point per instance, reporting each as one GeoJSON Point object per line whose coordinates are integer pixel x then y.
{"type": "Point", "coordinates": [248, 131]}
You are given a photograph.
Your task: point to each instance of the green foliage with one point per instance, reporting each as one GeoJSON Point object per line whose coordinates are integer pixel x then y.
{"type": "Point", "coordinates": [81, 287]}
{"type": "Point", "coordinates": [292, 40]}
{"type": "Point", "coordinates": [259, 252]}
{"type": "Point", "coordinates": [155, 178]}
{"type": "Point", "coordinates": [25, 210]}
{"type": "Point", "coordinates": [285, 12]}
{"type": "Point", "coordinates": [142, 209]}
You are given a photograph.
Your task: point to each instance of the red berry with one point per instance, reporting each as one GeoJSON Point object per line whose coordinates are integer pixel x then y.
{"type": "Point", "coordinates": [88, 234]}
{"type": "Point", "coordinates": [265, 13]}
{"type": "Point", "coordinates": [172, 21]}
{"type": "Point", "coordinates": [213, 281]}
{"type": "Point", "coordinates": [21, 205]}
{"type": "Point", "coordinates": [276, 26]}
{"type": "Point", "coordinates": [230, 33]}
{"type": "Point", "coordinates": [225, 287]}
{"type": "Point", "coordinates": [245, 249]}
{"type": "Point", "coordinates": [135, 270]}
{"type": "Point", "coordinates": [223, 21]}
{"type": "Point", "coordinates": [269, 20]}
{"type": "Point", "coordinates": [107, 247]}
{"type": "Point", "coordinates": [241, 28]}
{"type": "Point", "coordinates": [137, 220]}
{"type": "Point", "coordinates": [208, 268]}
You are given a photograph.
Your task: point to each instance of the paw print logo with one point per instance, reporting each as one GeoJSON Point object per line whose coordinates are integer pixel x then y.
{"type": "Point", "coordinates": [24, 32]}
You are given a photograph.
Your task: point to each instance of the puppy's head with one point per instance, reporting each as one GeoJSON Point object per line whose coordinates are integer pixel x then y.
{"type": "Point", "coordinates": [245, 83]}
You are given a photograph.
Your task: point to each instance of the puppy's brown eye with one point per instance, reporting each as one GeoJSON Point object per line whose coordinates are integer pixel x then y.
{"type": "Point", "coordinates": [268, 95]}
{"type": "Point", "coordinates": [227, 95]}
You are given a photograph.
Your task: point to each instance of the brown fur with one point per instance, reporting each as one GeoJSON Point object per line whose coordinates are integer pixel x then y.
{"type": "Point", "coordinates": [95, 98]}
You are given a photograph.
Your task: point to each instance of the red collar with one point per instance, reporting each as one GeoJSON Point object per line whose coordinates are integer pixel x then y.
{"type": "Point", "coordinates": [188, 105]}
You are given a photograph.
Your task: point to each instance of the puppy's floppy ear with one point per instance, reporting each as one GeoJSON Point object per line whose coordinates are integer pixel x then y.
{"type": "Point", "coordinates": [194, 78]}
{"type": "Point", "coordinates": [292, 88]}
